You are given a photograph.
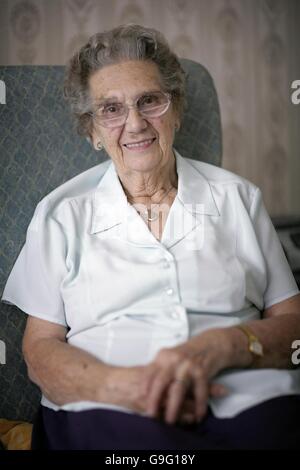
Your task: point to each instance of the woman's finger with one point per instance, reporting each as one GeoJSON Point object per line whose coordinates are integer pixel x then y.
{"type": "Point", "coordinates": [178, 390]}
{"type": "Point", "coordinates": [157, 393]}
{"type": "Point", "coordinates": [201, 394]}
{"type": "Point", "coordinates": [176, 395]}
{"type": "Point", "coordinates": [187, 418]}
{"type": "Point", "coordinates": [217, 390]}
{"type": "Point", "coordinates": [187, 413]}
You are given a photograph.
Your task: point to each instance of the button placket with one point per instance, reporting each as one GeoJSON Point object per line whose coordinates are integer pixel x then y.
{"type": "Point", "coordinates": [179, 322]}
{"type": "Point", "coordinates": [171, 292]}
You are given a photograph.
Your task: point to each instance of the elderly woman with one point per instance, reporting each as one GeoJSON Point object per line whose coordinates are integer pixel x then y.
{"type": "Point", "coordinates": [162, 310]}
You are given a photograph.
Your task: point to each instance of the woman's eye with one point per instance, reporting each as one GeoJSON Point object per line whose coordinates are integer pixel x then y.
{"type": "Point", "coordinates": [111, 109]}
{"type": "Point", "coordinates": [148, 99]}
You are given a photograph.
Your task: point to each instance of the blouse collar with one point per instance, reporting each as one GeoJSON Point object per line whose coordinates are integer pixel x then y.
{"type": "Point", "coordinates": [111, 208]}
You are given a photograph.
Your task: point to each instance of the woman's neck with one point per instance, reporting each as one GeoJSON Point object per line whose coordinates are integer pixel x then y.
{"type": "Point", "coordinates": [152, 187]}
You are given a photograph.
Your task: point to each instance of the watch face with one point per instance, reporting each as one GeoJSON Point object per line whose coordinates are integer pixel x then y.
{"type": "Point", "coordinates": [256, 348]}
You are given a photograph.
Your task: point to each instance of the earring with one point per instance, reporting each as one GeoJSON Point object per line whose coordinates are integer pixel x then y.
{"type": "Point", "coordinates": [99, 145]}
{"type": "Point", "coordinates": [176, 127]}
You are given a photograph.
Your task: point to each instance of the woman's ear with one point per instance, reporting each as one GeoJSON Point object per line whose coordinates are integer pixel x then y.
{"type": "Point", "coordinates": [95, 141]}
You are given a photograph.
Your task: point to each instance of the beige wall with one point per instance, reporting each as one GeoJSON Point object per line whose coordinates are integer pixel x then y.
{"type": "Point", "coordinates": [249, 46]}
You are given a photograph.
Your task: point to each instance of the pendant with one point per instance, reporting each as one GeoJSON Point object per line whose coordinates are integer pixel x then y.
{"type": "Point", "coordinates": [151, 216]}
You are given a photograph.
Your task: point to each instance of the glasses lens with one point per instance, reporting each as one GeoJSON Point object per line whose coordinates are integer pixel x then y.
{"type": "Point", "coordinates": [153, 104]}
{"type": "Point", "coordinates": [111, 114]}
{"type": "Point", "coordinates": [149, 105]}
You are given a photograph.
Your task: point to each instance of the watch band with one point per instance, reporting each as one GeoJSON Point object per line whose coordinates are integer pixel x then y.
{"type": "Point", "coordinates": [254, 345]}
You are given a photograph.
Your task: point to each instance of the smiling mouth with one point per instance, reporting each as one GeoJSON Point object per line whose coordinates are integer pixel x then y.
{"type": "Point", "coordinates": [140, 145]}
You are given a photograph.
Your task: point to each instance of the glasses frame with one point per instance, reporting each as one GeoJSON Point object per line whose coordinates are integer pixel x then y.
{"type": "Point", "coordinates": [134, 105]}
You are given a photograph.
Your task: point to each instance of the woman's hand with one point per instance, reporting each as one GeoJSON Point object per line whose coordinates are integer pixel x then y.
{"type": "Point", "coordinates": [131, 388]}
{"type": "Point", "coordinates": [182, 375]}
{"type": "Point", "coordinates": [128, 386]}
{"type": "Point", "coordinates": [186, 414]}
{"type": "Point", "coordinates": [143, 389]}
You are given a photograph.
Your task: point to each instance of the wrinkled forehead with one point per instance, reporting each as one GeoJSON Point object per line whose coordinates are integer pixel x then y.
{"type": "Point", "coordinates": [125, 80]}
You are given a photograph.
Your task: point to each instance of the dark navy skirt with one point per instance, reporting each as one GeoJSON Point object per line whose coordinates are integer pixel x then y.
{"type": "Point", "coordinates": [273, 424]}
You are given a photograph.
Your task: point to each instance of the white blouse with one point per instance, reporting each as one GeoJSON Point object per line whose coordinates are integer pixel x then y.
{"type": "Point", "coordinates": [91, 264]}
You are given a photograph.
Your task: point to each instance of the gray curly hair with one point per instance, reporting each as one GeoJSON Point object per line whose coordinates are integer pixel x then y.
{"type": "Point", "coordinates": [125, 42]}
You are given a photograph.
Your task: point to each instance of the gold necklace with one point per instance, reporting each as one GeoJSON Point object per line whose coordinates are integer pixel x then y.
{"type": "Point", "coordinates": [148, 214]}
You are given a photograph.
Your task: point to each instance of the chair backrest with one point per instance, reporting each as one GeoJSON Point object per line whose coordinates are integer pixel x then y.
{"type": "Point", "coordinates": [39, 150]}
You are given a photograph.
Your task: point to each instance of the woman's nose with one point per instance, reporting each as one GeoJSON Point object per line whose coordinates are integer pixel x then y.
{"type": "Point", "coordinates": [135, 122]}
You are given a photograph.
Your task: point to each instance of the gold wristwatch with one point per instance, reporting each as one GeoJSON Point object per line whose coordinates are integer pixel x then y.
{"type": "Point", "coordinates": [254, 345]}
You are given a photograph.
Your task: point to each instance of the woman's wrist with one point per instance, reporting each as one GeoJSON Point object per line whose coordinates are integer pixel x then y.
{"type": "Point", "coordinates": [125, 386]}
{"type": "Point", "coordinates": [215, 348]}
{"type": "Point", "coordinates": [110, 388]}
{"type": "Point", "coordinates": [224, 347]}
{"type": "Point", "coordinates": [240, 355]}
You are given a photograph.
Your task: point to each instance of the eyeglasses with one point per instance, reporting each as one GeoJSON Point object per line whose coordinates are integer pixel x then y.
{"type": "Point", "coordinates": [149, 105]}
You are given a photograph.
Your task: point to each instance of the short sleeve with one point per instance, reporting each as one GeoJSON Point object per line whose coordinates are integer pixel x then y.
{"type": "Point", "coordinates": [280, 282]}
{"type": "Point", "coordinates": [34, 284]}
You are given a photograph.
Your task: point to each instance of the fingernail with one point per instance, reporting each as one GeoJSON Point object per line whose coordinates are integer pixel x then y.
{"type": "Point", "coordinates": [170, 420]}
{"type": "Point", "coordinates": [189, 419]}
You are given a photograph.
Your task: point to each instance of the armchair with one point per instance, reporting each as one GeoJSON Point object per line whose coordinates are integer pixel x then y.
{"type": "Point", "coordinates": [39, 150]}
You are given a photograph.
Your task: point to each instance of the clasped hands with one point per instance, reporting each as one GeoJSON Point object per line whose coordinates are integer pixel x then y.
{"type": "Point", "coordinates": [176, 385]}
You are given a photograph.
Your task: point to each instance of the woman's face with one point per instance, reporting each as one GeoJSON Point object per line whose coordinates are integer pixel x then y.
{"type": "Point", "coordinates": [126, 81]}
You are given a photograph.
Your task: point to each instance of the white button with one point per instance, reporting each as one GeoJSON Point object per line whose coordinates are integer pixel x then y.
{"type": "Point", "coordinates": [166, 265]}
{"type": "Point", "coordinates": [167, 255]}
{"type": "Point", "coordinates": [170, 291]}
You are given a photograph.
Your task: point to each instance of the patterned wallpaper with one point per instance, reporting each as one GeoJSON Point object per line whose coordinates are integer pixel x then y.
{"type": "Point", "coordinates": [249, 46]}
